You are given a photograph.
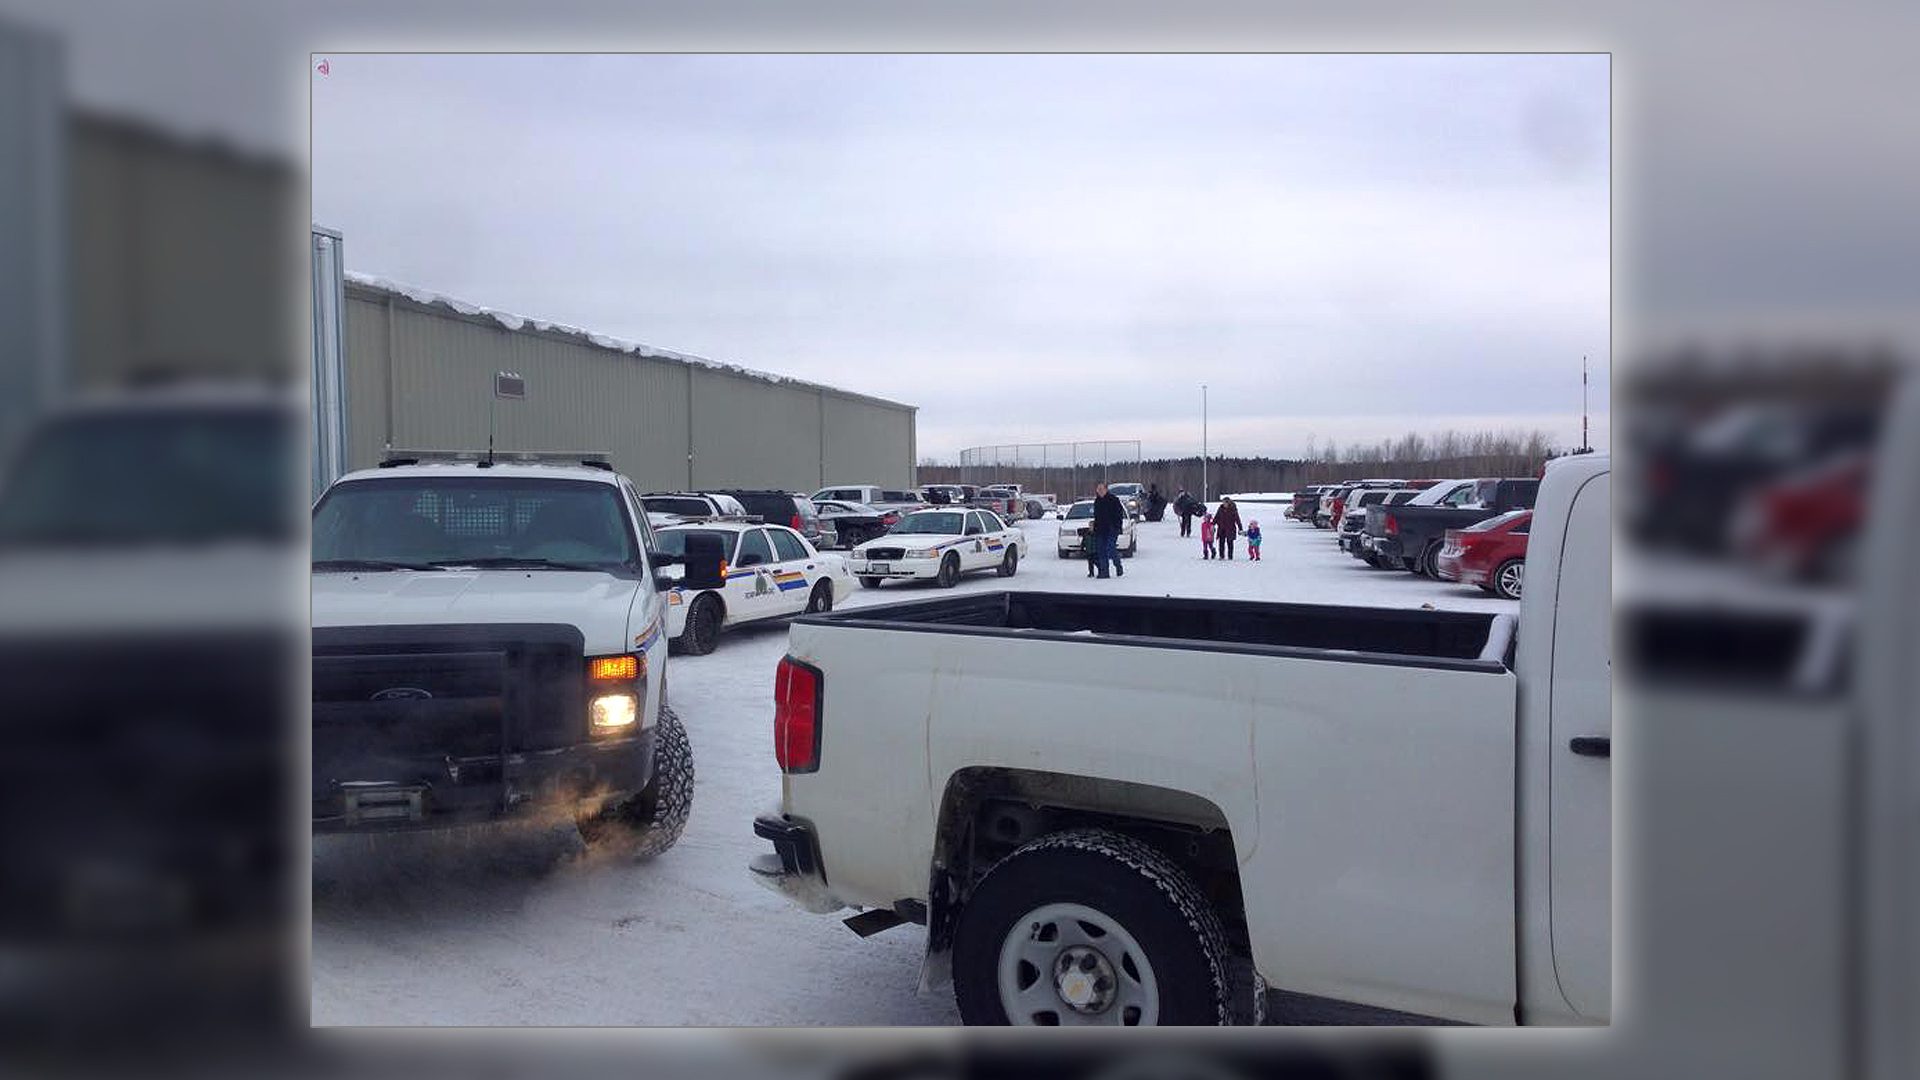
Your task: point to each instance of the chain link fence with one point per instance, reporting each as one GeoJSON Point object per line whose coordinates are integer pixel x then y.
{"type": "Point", "coordinates": [1066, 470]}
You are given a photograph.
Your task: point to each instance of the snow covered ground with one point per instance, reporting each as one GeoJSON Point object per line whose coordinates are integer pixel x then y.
{"type": "Point", "coordinates": [512, 926]}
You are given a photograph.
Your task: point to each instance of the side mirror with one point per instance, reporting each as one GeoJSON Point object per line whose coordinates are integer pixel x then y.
{"type": "Point", "coordinates": [705, 555]}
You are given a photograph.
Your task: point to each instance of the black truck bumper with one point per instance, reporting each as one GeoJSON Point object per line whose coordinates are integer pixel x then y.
{"type": "Point", "coordinates": [419, 727]}
{"type": "Point", "coordinates": [792, 868]}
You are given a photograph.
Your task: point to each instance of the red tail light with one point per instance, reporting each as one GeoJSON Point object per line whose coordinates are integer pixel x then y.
{"type": "Point", "coordinates": [796, 524]}
{"type": "Point", "coordinates": [797, 688]}
{"type": "Point", "coordinates": [1393, 525]}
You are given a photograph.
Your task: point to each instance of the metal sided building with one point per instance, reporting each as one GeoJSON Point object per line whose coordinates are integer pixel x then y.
{"type": "Point", "coordinates": [418, 371]}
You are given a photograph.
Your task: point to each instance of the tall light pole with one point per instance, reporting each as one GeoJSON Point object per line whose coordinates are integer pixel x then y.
{"type": "Point", "coordinates": [1203, 442]}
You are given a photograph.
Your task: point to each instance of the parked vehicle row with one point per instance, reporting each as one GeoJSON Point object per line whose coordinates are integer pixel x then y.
{"type": "Point", "coordinates": [1410, 535]}
{"type": "Point", "coordinates": [1082, 861]}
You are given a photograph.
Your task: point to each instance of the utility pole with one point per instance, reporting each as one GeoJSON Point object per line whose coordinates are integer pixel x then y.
{"type": "Point", "coordinates": [1585, 446]}
{"type": "Point", "coordinates": [1203, 442]}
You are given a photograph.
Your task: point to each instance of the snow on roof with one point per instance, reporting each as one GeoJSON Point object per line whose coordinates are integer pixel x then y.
{"type": "Point", "coordinates": [513, 322]}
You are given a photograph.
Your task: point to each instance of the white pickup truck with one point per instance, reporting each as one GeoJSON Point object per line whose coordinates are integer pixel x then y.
{"type": "Point", "coordinates": [1174, 815]}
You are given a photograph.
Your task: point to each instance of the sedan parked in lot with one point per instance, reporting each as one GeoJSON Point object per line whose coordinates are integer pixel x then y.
{"type": "Point", "coordinates": [855, 523]}
{"type": "Point", "coordinates": [1076, 532]}
{"type": "Point", "coordinates": [940, 545]}
{"type": "Point", "coordinates": [769, 571]}
{"type": "Point", "coordinates": [1491, 554]}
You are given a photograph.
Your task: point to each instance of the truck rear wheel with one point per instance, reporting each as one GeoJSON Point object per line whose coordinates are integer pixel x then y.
{"type": "Point", "coordinates": [1091, 927]}
{"type": "Point", "coordinates": [650, 822]}
{"type": "Point", "coordinates": [1428, 564]}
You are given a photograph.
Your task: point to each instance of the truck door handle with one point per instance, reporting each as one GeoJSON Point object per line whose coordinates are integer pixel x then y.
{"type": "Point", "coordinates": [1592, 746]}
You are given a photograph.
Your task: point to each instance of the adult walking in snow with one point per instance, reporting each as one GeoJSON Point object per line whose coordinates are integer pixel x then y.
{"type": "Point", "coordinates": [1226, 526]}
{"type": "Point", "coordinates": [1109, 517]}
{"type": "Point", "coordinates": [1156, 503]}
{"type": "Point", "coordinates": [1188, 508]}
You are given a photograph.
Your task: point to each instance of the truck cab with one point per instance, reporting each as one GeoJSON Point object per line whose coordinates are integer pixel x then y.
{"type": "Point", "coordinates": [489, 640]}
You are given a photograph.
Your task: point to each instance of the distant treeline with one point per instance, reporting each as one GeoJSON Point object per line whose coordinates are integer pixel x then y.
{"type": "Point", "coordinates": [1411, 457]}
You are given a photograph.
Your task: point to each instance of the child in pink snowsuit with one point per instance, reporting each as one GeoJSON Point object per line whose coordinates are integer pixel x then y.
{"type": "Point", "coordinates": [1206, 537]}
{"type": "Point", "coordinates": [1253, 540]}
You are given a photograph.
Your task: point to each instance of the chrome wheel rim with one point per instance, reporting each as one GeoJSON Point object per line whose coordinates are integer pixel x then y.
{"type": "Point", "coordinates": [1512, 578]}
{"type": "Point", "coordinates": [1069, 965]}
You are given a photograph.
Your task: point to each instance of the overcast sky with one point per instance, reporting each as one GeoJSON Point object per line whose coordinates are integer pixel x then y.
{"type": "Point", "coordinates": [1028, 248]}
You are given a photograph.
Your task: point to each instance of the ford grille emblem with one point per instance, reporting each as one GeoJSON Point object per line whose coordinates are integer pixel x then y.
{"type": "Point", "coordinates": [402, 693]}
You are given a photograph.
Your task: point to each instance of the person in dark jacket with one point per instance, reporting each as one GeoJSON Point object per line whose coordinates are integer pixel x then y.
{"type": "Point", "coordinates": [1156, 503]}
{"type": "Point", "coordinates": [1188, 508]}
{"type": "Point", "coordinates": [1226, 526]}
{"type": "Point", "coordinates": [1108, 519]}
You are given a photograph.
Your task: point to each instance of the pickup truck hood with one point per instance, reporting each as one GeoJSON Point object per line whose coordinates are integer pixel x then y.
{"type": "Point", "coordinates": [597, 603]}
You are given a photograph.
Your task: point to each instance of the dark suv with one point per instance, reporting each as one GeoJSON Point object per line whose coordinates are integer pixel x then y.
{"type": "Point", "coordinates": [797, 512]}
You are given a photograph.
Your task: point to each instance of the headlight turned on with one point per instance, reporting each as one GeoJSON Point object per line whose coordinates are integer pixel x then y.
{"type": "Point", "coordinates": [613, 712]}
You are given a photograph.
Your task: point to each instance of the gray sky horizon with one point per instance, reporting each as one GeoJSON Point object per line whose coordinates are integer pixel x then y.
{"type": "Point", "coordinates": [1029, 248]}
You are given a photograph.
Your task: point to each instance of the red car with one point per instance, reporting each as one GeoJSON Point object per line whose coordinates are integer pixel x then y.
{"type": "Point", "coordinates": [1805, 525]}
{"type": "Point", "coordinates": [1491, 554]}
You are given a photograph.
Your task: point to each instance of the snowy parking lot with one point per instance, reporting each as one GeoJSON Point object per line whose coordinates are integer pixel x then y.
{"type": "Point", "coordinates": [513, 925]}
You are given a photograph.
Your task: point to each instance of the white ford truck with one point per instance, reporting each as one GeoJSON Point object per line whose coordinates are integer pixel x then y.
{"type": "Point", "coordinates": [489, 640]}
{"type": "Point", "coordinates": [1175, 816]}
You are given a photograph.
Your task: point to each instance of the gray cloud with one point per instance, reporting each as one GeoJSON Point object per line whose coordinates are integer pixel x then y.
{"type": "Point", "coordinates": [1028, 247]}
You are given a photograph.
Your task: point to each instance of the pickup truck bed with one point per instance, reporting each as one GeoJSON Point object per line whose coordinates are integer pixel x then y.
{"type": "Point", "coordinates": [1441, 639]}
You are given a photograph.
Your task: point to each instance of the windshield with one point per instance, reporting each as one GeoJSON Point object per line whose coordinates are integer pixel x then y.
{"type": "Point", "coordinates": [1434, 494]}
{"type": "Point", "coordinates": [180, 477]}
{"type": "Point", "coordinates": [463, 520]}
{"type": "Point", "coordinates": [674, 541]}
{"type": "Point", "coordinates": [1080, 510]}
{"type": "Point", "coordinates": [929, 523]}
{"type": "Point", "coordinates": [1124, 489]}
{"type": "Point", "coordinates": [675, 504]}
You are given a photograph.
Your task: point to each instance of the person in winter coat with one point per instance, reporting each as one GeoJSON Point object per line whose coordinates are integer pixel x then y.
{"type": "Point", "coordinates": [1253, 540]}
{"type": "Point", "coordinates": [1226, 527]}
{"type": "Point", "coordinates": [1188, 508]}
{"type": "Point", "coordinates": [1156, 503]}
{"type": "Point", "coordinates": [1206, 536]}
{"type": "Point", "coordinates": [1109, 517]}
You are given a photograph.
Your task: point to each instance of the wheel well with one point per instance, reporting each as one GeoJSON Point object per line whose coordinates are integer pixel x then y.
{"type": "Point", "coordinates": [986, 813]}
{"type": "Point", "coordinates": [717, 598]}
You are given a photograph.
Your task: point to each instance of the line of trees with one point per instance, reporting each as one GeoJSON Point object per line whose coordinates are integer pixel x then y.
{"type": "Point", "coordinates": [1412, 457]}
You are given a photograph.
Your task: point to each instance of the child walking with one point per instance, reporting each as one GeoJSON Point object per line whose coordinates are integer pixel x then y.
{"type": "Point", "coordinates": [1253, 540]}
{"type": "Point", "coordinates": [1206, 537]}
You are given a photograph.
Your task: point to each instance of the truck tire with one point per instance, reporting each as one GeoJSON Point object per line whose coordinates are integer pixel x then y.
{"type": "Point", "coordinates": [650, 822]}
{"type": "Point", "coordinates": [870, 582]}
{"type": "Point", "coordinates": [1428, 564]}
{"type": "Point", "coordinates": [1509, 577]}
{"type": "Point", "coordinates": [1010, 563]}
{"type": "Point", "coordinates": [702, 631]}
{"type": "Point", "coordinates": [1092, 927]}
{"type": "Point", "coordinates": [949, 571]}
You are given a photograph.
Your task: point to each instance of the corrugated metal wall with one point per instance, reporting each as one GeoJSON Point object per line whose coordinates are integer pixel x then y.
{"type": "Point", "coordinates": [167, 236]}
{"type": "Point", "coordinates": [420, 376]}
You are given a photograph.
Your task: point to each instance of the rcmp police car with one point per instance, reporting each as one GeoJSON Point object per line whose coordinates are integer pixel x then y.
{"type": "Point", "coordinates": [940, 544]}
{"type": "Point", "coordinates": [770, 572]}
